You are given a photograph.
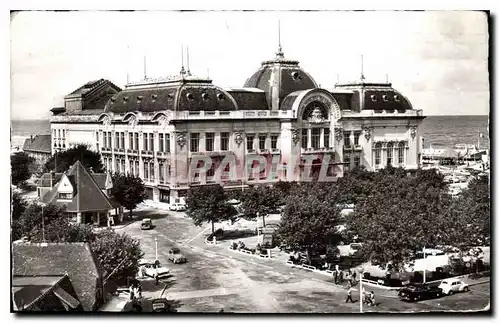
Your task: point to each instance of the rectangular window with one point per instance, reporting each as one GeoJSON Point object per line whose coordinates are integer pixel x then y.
{"type": "Point", "coordinates": [151, 142]}
{"type": "Point", "coordinates": [356, 138]}
{"type": "Point", "coordinates": [356, 161]}
{"type": "Point", "coordinates": [347, 161]}
{"type": "Point", "coordinates": [377, 155]}
{"type": "Point", "coordinates": [161, 170]}
{"type": "Point", "coordinates": [152, 171]}
{"type": "Point", "coordinates": [59, 133]}
{"type": "Point", "coordinates": [209, 141]}
{"type": "Point", "coordinates": [162, 143]}
{"type": "Point", "coordinates": [145, 141]}
{"type": "Point", "coordinates": [109, 139]}
{"type": "Point", "coordinates": [54, 135]}
{"type": "Point", "coordinates": [315, 136]}
{"type": "Point", "coordinates": [167, 142]}
{"type": "Point", "coordinates": [130, 140]}
{"type": "Point", "coordinates": [262, 142]}
{"type": "Point", "coordinates": [146, 170]}
{"type": "Point", "coordinates": [347, 139]}
{"type": "Point", "coordinates": [194, 144]}
{"type": "Point", "coordinates": [117, 140]}
{"type": "Point", "coordinates": [136, 168]}
{"type": "Point", "coordinates": [122, 140]}
{"type": "Point", "coordinates": [211, 172]}
{"type": "Point", "coordinates": [274, 141]}
{"type": "Point", "coordinates": [97, 136]}
{"type": "Point", "coordinates": [250, 139]}
{"type": "Point", "coordinates": [224, 141]}
{"type": "Point", "coordinates": [326, 137]}
{"type": "Point", "coordinates": [136, 140]}
{"type": "Point", "coordinates": [110, 169]}
{"type": "Point", "coordinates": [389, 154]}
{"type": "Point", "coordinates": [168, 170]}
{"type": "Point", "coordinates": [304, 138]}
{"type": "Point", "coordinates": [401, 150]}
{"type": "Point", "coordinates": [117, 165]}
{"type": "Point", "coordinates": [123, 170]}
{"type": "Point", "coordinates": [105, 163]}
{"type": "Point", "coordinates": [131, 167]}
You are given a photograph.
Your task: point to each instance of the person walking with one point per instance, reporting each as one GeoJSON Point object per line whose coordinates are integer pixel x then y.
{"type": "Point", "coordinates": [371, 299]}
{"type": "Point", "coordinates": [349, 293]}
{"type": "Point", "coordinates": [131, 291]}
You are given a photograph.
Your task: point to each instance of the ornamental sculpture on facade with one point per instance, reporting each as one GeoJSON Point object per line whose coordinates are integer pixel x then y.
{"type": "Point", "coordinates": [162, 121]}
{"type": "Point", "coordinates": [181, 139]}
{"type": "Point", "coordinates": [295, 136]}
{"type": "Point", "coordinates": [413, 132]}
{"type": "Point", "coordinates": [238, 138]}
{"type": "Point", "coordinates": [106, 121]}
{"type": "Point", "coordinates": [316, 115]}
{"type": "Point", "coordinates": [133, 122]}
{"type": "Point", "coordinates": [367, 132]}
{"type": "Point", "coordinates": [338, 134]}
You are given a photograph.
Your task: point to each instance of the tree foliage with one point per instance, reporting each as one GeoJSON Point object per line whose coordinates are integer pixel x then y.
{"type": "Point", "coordinates": [310, 221]}
{"type": "Point", "coordinates": [19, 205]}
{"type": "Point", "coordinates": [128, 190]}
{"type": "Point", "coordinates": [209, 204]}
{"type": "Point", "coordinates": [22, 167]}
{"type": "Point", "coordinates": [65, 159]}
{"type": "Point", "coordinates": [258, 201]}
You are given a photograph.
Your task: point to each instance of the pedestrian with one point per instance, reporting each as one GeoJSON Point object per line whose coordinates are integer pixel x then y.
{"type": "Point", "coordinates": [349, 293]}
{"type": "Point", "coordinates": [139, 291]}
{"type": "Point", "coordinates": [335, 277]}
{"type": "Point", "coordinates": [353, 277]}
{"type": "Point", "coordinates": [371, 299]}
{"type": "Point", "coordinates": [131, 291]}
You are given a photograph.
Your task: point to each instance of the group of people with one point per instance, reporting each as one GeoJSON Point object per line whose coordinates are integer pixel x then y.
{"type": "Point", "coordinates": [368, 298]}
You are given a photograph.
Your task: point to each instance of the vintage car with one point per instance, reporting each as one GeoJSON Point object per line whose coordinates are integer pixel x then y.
{"type": "Point", "coordinates": [418, 292]}
{"type": "Point", "coordinates": [453, 285]}
{"type": "Point", "coordinates": [178, 207]}
{"type": "Point", "coordinates": [152, 269]}
{"type": "Point", "coordinates": [146, 224]}
{"type": "Point", "coordinates": [175, 256]}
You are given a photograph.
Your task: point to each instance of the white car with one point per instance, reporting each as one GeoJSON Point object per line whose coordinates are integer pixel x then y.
{"type": "Point", "coordinates": [151, 269]}
{"type": "Point", "coordinates": [453, 285]}
{"type": "Point", "coordinates": [177, 207]}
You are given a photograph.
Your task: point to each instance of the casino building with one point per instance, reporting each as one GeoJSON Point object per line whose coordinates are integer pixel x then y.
{"type": "Point", "coordinates": [281, 118]}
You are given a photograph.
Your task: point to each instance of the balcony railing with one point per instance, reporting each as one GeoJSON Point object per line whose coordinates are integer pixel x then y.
{"type": "Point", "coordinates": [147, 152]}
{"type": "Point", "coordinates": [312, 150]}
{"type": "Point", "coordinates": [275, 151]}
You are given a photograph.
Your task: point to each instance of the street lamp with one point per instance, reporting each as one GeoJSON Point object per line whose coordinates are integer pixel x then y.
{"type": "Point", "coordinates": [156, 248]}
{"type": "Point", "coordinates": [424, 265]}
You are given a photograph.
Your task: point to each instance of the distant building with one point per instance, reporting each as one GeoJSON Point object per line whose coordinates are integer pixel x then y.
{"type": "Point", "coordinates": [56, 277]}
{"type": "Point", "coordinates": [38, 147]}
{"type": "Point", "coordinates": [85, 195]}
{"type": "Point", "coordinates": [158, 128]}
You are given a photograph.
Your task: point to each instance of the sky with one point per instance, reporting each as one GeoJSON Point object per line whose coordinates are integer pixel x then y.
{"type": "Point", "coordinates": [438, 59]}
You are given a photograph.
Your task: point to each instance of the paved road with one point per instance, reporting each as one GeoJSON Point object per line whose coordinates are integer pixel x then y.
{"type": "Point", "coordinates": [215, 278]}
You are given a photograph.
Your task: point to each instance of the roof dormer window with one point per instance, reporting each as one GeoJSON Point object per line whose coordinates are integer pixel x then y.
{"type": "Point", "coordinates": [170, 96]}
{"type": "Point", "coordinates": [154, 96]}
{"type": "Point", "coordinates": [220, 96]}
{"type": "Point", "coordinates": [396, 98]}
{"type": "Point", "coordinates": [296, 76]}
{"type": "Point", "coordinates": [190, 96]}
{"type": "Point", "coordinates": [204, 96]}
{"type": "Point", "coordinates": [385, 98]}
{"type": "Point", "coordinates": [373, 97]}
{"type": "Point", "coordinates": [125, 98]}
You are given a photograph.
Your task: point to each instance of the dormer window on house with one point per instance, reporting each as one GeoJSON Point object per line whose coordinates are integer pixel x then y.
{"type": "Point", "coordinates": [373, 97]}
{"type": "Point", "coordinates": [65, 196]}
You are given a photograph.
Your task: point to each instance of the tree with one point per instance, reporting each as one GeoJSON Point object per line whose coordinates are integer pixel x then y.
{"type": "Point", "coordinates": [19, 205]}
{"type": "Point", "coordinates": [310, 222]}
{"type": "Point", "coordinates": [128, 190]}
{"type": "Point", "coordinates": [22, 166]}
{"type": "Point", "coordinates": [259, 200]}
{"type": "Point", "coordinates": [402, 214]}
{"type": "Point", "coordinates": [208, 204]}
{"type": "Point", "coordinates": [65, 159]}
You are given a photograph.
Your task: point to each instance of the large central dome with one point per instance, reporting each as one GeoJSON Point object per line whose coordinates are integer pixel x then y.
{"type": "Point", "coordinates": [278, 78]}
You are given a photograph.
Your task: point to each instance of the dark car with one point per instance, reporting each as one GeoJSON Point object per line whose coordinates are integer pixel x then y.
{"type": "Point", "coordinates": [418, 292]}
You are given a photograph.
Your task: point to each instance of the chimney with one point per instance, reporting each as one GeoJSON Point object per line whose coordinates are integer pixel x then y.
{"type": "Point", "coordinates": [31, 138]}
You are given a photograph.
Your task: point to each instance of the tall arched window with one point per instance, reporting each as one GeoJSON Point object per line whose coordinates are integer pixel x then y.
{"type": "Point", "coordinates": [390, 149]}
{"type": "Point", "coordinates": [401, 152]}
{"type": "Point", "coordinates": [377, 151]}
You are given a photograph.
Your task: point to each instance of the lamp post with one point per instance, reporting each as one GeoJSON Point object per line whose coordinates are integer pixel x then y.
{"type": "Point", "coordinates": [156, 248]}
{"type": "Point", "coordinates": [425, 267]}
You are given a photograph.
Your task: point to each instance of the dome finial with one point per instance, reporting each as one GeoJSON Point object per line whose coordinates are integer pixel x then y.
{"type": "Point", "coordinates": [280, 50]}
{"type": "Point", "coordinates": [362, 74]}
{"type": "Point", "coordinates": [187, 56]}
{"type": "Point", "coordinates": [183, 71]}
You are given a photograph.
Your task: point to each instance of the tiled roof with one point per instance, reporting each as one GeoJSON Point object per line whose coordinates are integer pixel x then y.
{"type": "Point", "coordinates": [87, 194]}
{"type": "Point", "coordinates": [39, 143]}
{"type": "Point", "coordinates": [249, 100]}
{"type": "Point", "coordinates": [45, 180]}
{"type": "Point", "coordinates": [92, 86]}
{"type": "Point", "coordinates": [100, 179]}
{"type": "Point", "coordinates": [83, 112]}
{"type": "Point", "coordinates": [202, 96]}
{"type": "Point", "coordinates": [74, 259]}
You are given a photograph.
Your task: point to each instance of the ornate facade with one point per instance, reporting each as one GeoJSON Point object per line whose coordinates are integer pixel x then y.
{"type": "Point", "coordinates": [162, 129]}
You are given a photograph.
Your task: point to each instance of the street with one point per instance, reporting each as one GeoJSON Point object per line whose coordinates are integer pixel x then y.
{"type": "Point", "coordinates": [215, 278]}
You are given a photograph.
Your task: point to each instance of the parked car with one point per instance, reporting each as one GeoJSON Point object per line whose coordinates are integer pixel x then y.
{"type": "Point", "coordinates": [146, 224]}
{"type": "Point", "coordinates": [175, 256]}
{"type": "Point", "coordinates": [418, 292]}
{"type": "Point", "coordinates": [178, 207]}
{"type": "Point", "coordinates": [453, 285]}
{"type": "Point", "coordinates": [151, 268]}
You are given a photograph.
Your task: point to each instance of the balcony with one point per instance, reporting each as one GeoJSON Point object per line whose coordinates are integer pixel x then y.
{"type": "Point", "coordinates": [162, 154]}
{"type": "Point", "coordinates": [251, 151]}
{"type": "Point", "coordinates": [275, 151]}
{"type": "Point", "coordinates": [263, 151]}
{"type": "Point", "coordinates": [148, 153]}
{"type": "Point", "coordinates": [132, 151]}
{"type": "Point", "coordinates": [120, 151]}
{"type": "Point", "coordinates": [357, 148]}
{"type": "Point", "coordinates": [348, 148]}
{"type": "Point", "coordinates": [312, 150]}
{"type": "Point", "coordinates": [211, 153]}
